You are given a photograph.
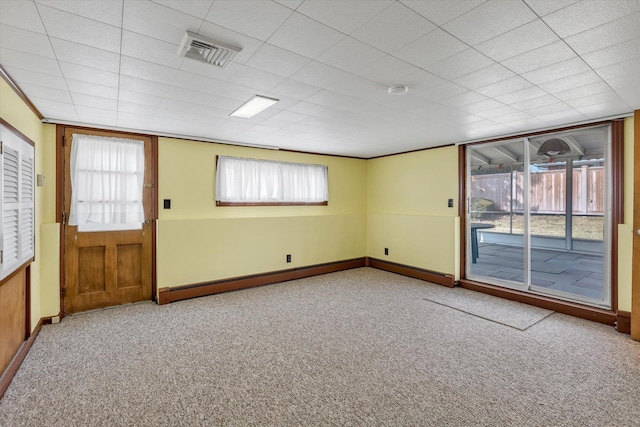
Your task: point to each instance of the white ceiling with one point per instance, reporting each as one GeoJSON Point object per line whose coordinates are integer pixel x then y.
{"type": "Point", "coordinates": [475, 69]}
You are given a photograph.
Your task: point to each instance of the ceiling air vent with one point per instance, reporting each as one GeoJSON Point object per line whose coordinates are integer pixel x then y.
{"type": "Point", "coordinates": [200, 48]}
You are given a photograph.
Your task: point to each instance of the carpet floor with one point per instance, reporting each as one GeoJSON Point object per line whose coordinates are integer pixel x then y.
{"type": "Point", "coordinates": [358, 347]}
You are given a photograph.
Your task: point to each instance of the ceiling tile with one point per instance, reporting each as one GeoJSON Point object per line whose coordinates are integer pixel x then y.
{"type": "Point", "coordinates": [581, 91]}
{"type": "Point", "coordinates": [147, 70]}
{"type": "Point", "coordinates": [150, 50]}
{"type": "Point", "coordinates": [139, 98]}
{"type": "Point", "coordinates": [289, 116]}
{"type": "Point", "coordinates": [305, 36]}
{"type": "Point", "coordinates": [610, 34]}
{"type": "Point", "coordinates": [17, 38]}
{"type": "Point", "coordinates": [344, 16]}
{"type": "Point", "coordinates": [539, 58]}
{"type": "Point", "coordinates": [545, 7]}
{"type": "Point", "coordinates": [605, 109]}
{"type": "Point", "coordinates": [557, 71]}
{"type": "Point", "coordinates": [480, 24]}
{"type": "Point", "coordinates": [27, 61]}
{"type": "Point", "coordinates": [430, 48]}
{"type": "Point", "coordinates": [516, 42]}
{"type": "Point", "coordinates": [545, 111]}
{"type": "Point", "coordinates": [613, 54]}
{"type": "Point", "coordinates": [307, 108]}
{"type": "Point", "coordinates": [277, 61]}
{"type": "Point", "coordinates": [55, 109]}
{"type": "Point", "coordinates": [460, 64]}
{"type": "Point", "coordinates": [147, 87]}
{"type": "Point", "coordinates": [318, 74]}
{"type": "Point", "coordinates": [445, 11]}
{"type": "Point", "coordinates": [351, 55]}
{"type": "Point", "coordinates": [521, 95]}
{"type": "Point", "coordinates": [190, 96]}
{"type": "Point", "coordinates": [421, 82]}
{"type": "Point", "coordinates": [393, 28]}
{"type": "Point", "coordinates": [90, 101]}
{"type": "Point", "coordinates": [255, 18]}
{"type": "Point", "coordinates": [137, 109]}
{"type": "Point", "coordinates": [256, 79]}
{"type": "Point", "coordinates": [185, 107]}
{"type": "Point", "coordinates": [89, 75]}
{"type": "Point", "coordinates": [22, 14]}
{"type": "Point", "coordinates": [295, 89]}
{"type": "Point", "coordinates": [225, 104]}
{"type": "Point", "coordinates": [505, 86]}
{"type": "Point", "coordinates": [213, 86]}
{"type": "Point", "coordinates": [575, 80]}
{"type": "Point", "coordinates": [478, 105]}
{"type": "Point", "coordinates": [154, 20]}
{"type": "Point", "coordinates": [108, 12]}
{"type": "Point", "coordinates": [196, 8]}
{"type": "Point", "coordinates": [208, 70]}
{"type": "Point", "coordinates": [443, 91]}
{"type": "Point", "coordinates": [47, 93]}
{"type": "Point", "coordinates": [291, 4]}
{"type": "Point", "coordinates": [607, 96]}
{"type": "Point", "coordinates": [469, 97]}
{"type": "Point", "coordinates": [38, 79]}
{"type": "Point", "coordinates": [76, 86]}
{"type": "Point", "coordinates": [485, 76]}
{"type": "Point", "coordinates": [74, 28]}
{"type": "Point", "coordinates": [389, 71]}
{"type": "Point", "coordinates": [84, 55]}
{"type": "Point", "coordinates": [585, 15]}
{"type": "Point", "coordinates": [498, 113]}
{"type": "Point", "coordinates": [539, 102]}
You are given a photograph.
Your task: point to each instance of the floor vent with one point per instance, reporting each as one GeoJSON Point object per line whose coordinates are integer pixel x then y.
{"type": "Point", "coordinates": [202, 49]}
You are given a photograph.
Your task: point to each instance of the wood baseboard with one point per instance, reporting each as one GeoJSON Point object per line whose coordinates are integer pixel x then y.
{"type": "Point", "coordinates": [168, 295]}
{"type": "Point", "coordinates": [623, 322]}
{"type": "Point", "coordinates": [12, 369]}
{"type": "Point", "coordinates": [572, 309]}
{"type": "Point", "coordinates": [417, 273]}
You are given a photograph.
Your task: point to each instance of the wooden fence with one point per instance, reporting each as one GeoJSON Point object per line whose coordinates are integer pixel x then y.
{"type": "Point", "coordinates": [547, 191]}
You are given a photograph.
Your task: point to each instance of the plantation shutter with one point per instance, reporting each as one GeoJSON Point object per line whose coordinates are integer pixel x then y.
{"type": "Point", "coordinates": [16, 202]}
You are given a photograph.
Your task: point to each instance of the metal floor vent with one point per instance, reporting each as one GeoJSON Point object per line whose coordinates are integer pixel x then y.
{"type": "Point", "coordinates": [203, 49]}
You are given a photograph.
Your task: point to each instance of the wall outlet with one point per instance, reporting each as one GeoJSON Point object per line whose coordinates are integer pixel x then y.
{"type": "Point", "coordinates": [288, 257]}
{"type": "Point", "coordinates": [167, 203]}
{"type": "Point", "coordinates": [450, 203]}
{"type": "Point", "coordinates": [386, 251]}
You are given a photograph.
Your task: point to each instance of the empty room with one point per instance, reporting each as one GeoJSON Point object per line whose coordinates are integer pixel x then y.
{"type": "Point", "coordinates": [319, 212]}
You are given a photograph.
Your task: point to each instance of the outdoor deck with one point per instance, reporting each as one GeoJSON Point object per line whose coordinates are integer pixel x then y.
{"type": "Point", "coordinates": [574, 273]}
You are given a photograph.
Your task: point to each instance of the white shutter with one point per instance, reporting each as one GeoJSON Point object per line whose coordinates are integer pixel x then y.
{"type": "Point", "coordinates": [17, 168]}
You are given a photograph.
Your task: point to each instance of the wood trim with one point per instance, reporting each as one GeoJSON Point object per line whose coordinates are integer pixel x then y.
{"type": "Point", "coordinates": [219, 203]}
{"type": "Point", "coordinates": [572, 309]}
{"type": "Point", "coordinates": [417, 273]}
{"type": "Point", "coordinates": [16, 271]}
{"type": "Point", "coordinates": [19, 134]}
{"type": "Point", "coordinates": [623, 322]}
{"type": "Point", "coordinates": [168, 295]}
{"type": "Point", "coordinates": [410, 151]}
{"type": "Point", "coordinates": [462, 207]}
{"type": "Point", "coordinates": [60, 164]}
{"type": "Point", "coordinates": [154, 207]}
{"type": "Point", "coordinates": [7, 78]}
{"type": "Point", "coordinates": [12, 369]}
{"type": "Point", "coordinates": [540, 132]}
{"type": "Point", "coordinates": [635, 275]}
{"type": "Point", "coordinates": [617, 202]}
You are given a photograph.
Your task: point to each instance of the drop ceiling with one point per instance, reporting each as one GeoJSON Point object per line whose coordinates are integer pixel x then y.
{"type": "Point", "coordinates": [474, 69]}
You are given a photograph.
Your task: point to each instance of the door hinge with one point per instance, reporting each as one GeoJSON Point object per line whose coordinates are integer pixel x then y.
{"type": "Point", "coordinates": [149, 185]}
{"type": "Point", "coordinates": [64, 141]}
{"type": "Point", "coordinates": [64, 218]}
{"type": "Point", "coordinates": [1, 147]}
{"type": "Point", "coordinates": [1, 256]}
{"type": "Point", "coordinates": [63, 292]}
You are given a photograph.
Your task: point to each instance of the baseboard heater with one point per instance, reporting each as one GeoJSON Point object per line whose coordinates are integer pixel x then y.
{"type": "Point", "coordinates": [417, 273]}
{"type": "Point", "coordinates": [167, 295]}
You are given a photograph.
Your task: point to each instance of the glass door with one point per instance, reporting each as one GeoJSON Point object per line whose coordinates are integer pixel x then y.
{"type": "Point", "coordinates": [537, 215]}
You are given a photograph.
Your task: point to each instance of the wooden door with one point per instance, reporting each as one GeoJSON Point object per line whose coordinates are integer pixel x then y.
{"type": "Point", "coordinates": [107, 268]}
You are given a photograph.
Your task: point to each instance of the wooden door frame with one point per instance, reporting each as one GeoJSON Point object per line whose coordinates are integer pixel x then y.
{"type": "Point", "coordinates": [60, 186]}
{"type": "Point", "coordinates": [635, 273]}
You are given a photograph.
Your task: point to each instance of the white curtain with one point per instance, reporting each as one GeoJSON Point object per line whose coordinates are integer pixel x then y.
{"type": "Point", "coordinates": [241, 180]}
{"type": "Point", "coordinates": [106, 183]}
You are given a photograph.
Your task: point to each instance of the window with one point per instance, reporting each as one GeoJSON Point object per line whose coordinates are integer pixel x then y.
{"type": "Point", "coordinates": [17, 202]}
{"type": "Point", "coordinates": [106, 183]}
{"type": "Point", "coordinates": [262, 182]}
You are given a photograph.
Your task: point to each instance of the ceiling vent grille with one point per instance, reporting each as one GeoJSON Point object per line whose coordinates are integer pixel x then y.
{"type": "Point", "coordinates": [202, 49]}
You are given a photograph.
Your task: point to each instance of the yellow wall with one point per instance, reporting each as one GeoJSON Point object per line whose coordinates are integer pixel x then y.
{"type": "Point", "coordinates": [199, 241]}
{"type": "Point", "coordinates": [44, 281]}
{"type": "Point", "coordinates": [407, 209]}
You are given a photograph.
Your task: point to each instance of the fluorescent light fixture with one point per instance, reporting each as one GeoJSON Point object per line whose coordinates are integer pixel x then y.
{"type": "Point", "coordinates": [255, 105]}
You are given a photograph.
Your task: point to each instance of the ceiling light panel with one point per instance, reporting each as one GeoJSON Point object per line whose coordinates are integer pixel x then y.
{"type": "Point", "coordinates": [254, 106]}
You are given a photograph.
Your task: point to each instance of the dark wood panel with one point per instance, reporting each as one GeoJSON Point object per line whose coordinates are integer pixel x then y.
{"type": "Point", "coordinates": [91, 277]}
{"type": "Point", "coordinates": [129, 259]}
{"type": "Point", "coordinates": [417, 273]}
{"type": "Point", "coordinates": [623, 322]}
{"type": "Point", "coordinates": [167, 295]}
{"type": "Point", "coordinates": [13, 317]}
{"type": "Point", "coordinates": [635, 274]}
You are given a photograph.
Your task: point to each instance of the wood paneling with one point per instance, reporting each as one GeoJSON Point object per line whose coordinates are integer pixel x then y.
{"type": "Point", "coordinates": [635, 274]}
{"type": "Point", "coordinates": [13, 316]}
{"type": "Point", "coordinates": [167, 295]}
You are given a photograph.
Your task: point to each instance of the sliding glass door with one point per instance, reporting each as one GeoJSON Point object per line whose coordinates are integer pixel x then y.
{"type": "Point", "coordinates": [536, 214]}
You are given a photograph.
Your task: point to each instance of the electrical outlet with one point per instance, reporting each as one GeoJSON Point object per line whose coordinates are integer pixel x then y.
{"type": "Point", "coordinates": [167, 203]}
{"type": "Point", "coordinates": [386, 251]}
{"type": "Point", "coordinates": [288, 257]}
{"type": "Point", "coordinates": [450, 204]}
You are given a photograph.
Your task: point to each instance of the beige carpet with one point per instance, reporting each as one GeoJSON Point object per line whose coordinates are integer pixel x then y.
{"type": "Point", "coordinates": [360, 347]}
